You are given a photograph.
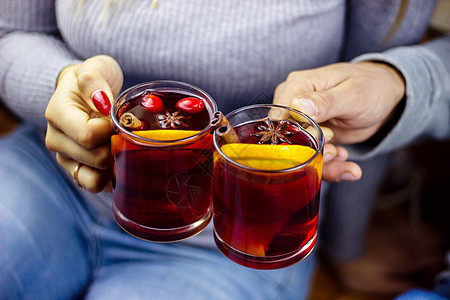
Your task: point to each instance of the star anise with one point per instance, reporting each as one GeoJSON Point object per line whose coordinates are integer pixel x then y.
{"type": "Point", "coordinates": [172, 120]}
{"type": "Point", "coordinates": [273, 133]}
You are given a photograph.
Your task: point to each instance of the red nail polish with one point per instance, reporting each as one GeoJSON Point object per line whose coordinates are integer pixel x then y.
{"type": "Point", "coordinates": [101, 102]}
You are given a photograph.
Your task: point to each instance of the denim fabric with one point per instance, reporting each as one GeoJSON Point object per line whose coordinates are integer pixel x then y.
{"type": "Point", "coordinates": [418, 294]}
{"type": "Point", "coordinates": [53, 245]}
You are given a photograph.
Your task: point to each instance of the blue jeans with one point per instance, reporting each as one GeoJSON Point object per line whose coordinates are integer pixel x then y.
{"type": "Point", "coordinates": [53, 245]}
{"type": "Point", "coordinates": [419, 294]}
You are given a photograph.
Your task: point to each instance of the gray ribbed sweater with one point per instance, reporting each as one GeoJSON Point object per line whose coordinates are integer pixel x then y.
{"type": "Point", "coordinates": [237, 50]}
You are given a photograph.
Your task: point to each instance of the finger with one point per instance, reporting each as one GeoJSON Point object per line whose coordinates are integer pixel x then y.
{"type": "Point", "coordinates": [98, 158]}
{"type": "Point", "coordinates": [70, 112]}
{"type": "Point", "coordinates": [94, 180]}
{"type": "Point", "coordinates": [299, 83]}
{"type": "Point", "coordinates": [328, 133]}
{"type": "Point", "coordinates": [99, 80]}
{"type": "Point", "coordinates": [337, 171]}
{"type": "Point", "coordinates": [342, 154]}
{"type": "Point", "coordinates": [329, 152]}
{"type": "Point", "coordinates": [339, 101]}
{"type": "Point", "coordinates": [279, 93]}
{"type": "Point", "coordinates": [276, 113]}
{"type": "Point", "coordinates": [74, 119]}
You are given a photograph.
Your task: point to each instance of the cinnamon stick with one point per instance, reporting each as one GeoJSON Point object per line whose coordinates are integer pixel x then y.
{"type": "Point", "coordinates": [130, 121]}
{"type": "Point", "coordinates": [224, 129]}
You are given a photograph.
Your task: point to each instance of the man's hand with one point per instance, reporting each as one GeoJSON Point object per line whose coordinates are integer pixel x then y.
{"type": "Point", "coordinates": [353, 100]}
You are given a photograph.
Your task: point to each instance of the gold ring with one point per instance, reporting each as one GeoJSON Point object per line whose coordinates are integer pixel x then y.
{"type": "Point", "coordinates": [75, 177]}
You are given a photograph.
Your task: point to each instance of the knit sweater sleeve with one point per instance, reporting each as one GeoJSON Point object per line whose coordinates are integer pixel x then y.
{"type": "Point", "coordinates": [426, 115]}
{"type": "Point", "coordinates": [31, 56]}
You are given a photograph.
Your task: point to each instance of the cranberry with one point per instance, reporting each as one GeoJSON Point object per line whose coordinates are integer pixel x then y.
{"type": "Point", "coordinates": [190, 105]}
{"type": "Point", "coordinates": [152, 103]}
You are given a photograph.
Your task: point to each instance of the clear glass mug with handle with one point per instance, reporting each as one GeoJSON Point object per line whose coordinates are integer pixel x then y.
{"type": "Point", "coordinates": [162, 160]}
{"type": "Point", "coordinates": [266, 190]}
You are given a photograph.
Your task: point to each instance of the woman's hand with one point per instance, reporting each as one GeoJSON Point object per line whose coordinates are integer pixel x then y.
{"type": "Point", "coordinates": [353, 100]}
{"type": "Point", "coordinates": [79, 127]}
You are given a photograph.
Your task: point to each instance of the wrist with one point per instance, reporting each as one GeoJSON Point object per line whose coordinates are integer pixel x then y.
{"type": "Point", "coordinates": [392, 97]}
{"type": "Point", "coordinates": [399, 96]}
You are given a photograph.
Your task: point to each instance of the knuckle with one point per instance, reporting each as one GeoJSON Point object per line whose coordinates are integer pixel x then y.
{"type": "Point", "coordinates": [50, 142]}
{"type": "Point", "coordinates": [48, 114]}
{"type": "Point", "coordinates": [292, 76]}
{"type": "Point", "coordinates": [85, 78]}
{"type": "Point", "coordinates": [103, 158]}
{"type": "Point", "coordinates": [318, 82]}
{"type": "Point", "coordinates": [326, 97]}
{"type": "Point", "coordinates": [86, 139]}
{"type": "Point", "coordinates": [60, 159]}
{"type": "Point", "coordinates": [102, 60]}
{"type": "Point", "coordinates": [279, 87]}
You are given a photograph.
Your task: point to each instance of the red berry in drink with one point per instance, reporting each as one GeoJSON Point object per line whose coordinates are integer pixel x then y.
{"type": "Point", "coordinates": [190, 105]}
{"type": "Point", "coordinates": [152, 103]}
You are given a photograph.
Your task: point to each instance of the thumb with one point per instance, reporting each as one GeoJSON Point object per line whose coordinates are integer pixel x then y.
{"type": "Point", "coordinates": [305, 104]}
{"type": "Point", "coordinates": [322, 105]}
{"type": "Point", "coordinates": [99, 80]}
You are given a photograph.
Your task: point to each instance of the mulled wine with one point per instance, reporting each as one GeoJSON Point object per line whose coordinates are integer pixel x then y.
{"type": "Point", "coordinates": [266, 190]}
{"type": "Point", "coordinates": [162, 151]}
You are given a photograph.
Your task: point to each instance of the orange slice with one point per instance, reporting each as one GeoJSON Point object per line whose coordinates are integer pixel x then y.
{"type": "Point", "coordinates": [119, 144]}
{"type": "Point", "coordinates": [166, 134]}
{"type": "Point", "coordinates": [268, 157]}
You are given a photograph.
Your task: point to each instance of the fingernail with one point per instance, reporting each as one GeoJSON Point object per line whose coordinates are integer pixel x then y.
{"type": "Point", "coordinates": [304, 105]}
{"type": "Point", "coordinates": [347, 176]}
{"type": "Point", "coordinates": [101, 102]}
{"type": "Point", "coordinates": [328, 134]}
{"type": "Point", "coordinates": [328, 157]}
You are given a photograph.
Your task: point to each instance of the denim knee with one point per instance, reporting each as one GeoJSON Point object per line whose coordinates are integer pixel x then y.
{"type": "Point", "coordinates": [43, 250]}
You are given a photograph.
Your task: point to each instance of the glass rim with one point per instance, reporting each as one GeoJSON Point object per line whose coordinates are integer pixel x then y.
{"type": "Point", "coordinates": [319, 149]}
{"type": "Point", "coordinates": [151, 142]}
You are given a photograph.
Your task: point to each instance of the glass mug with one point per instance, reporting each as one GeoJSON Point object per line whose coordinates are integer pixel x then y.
{"type": "Point", "coordinates": [267, 177]}
{"type": "Point", "coordinates": [162, 160]}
